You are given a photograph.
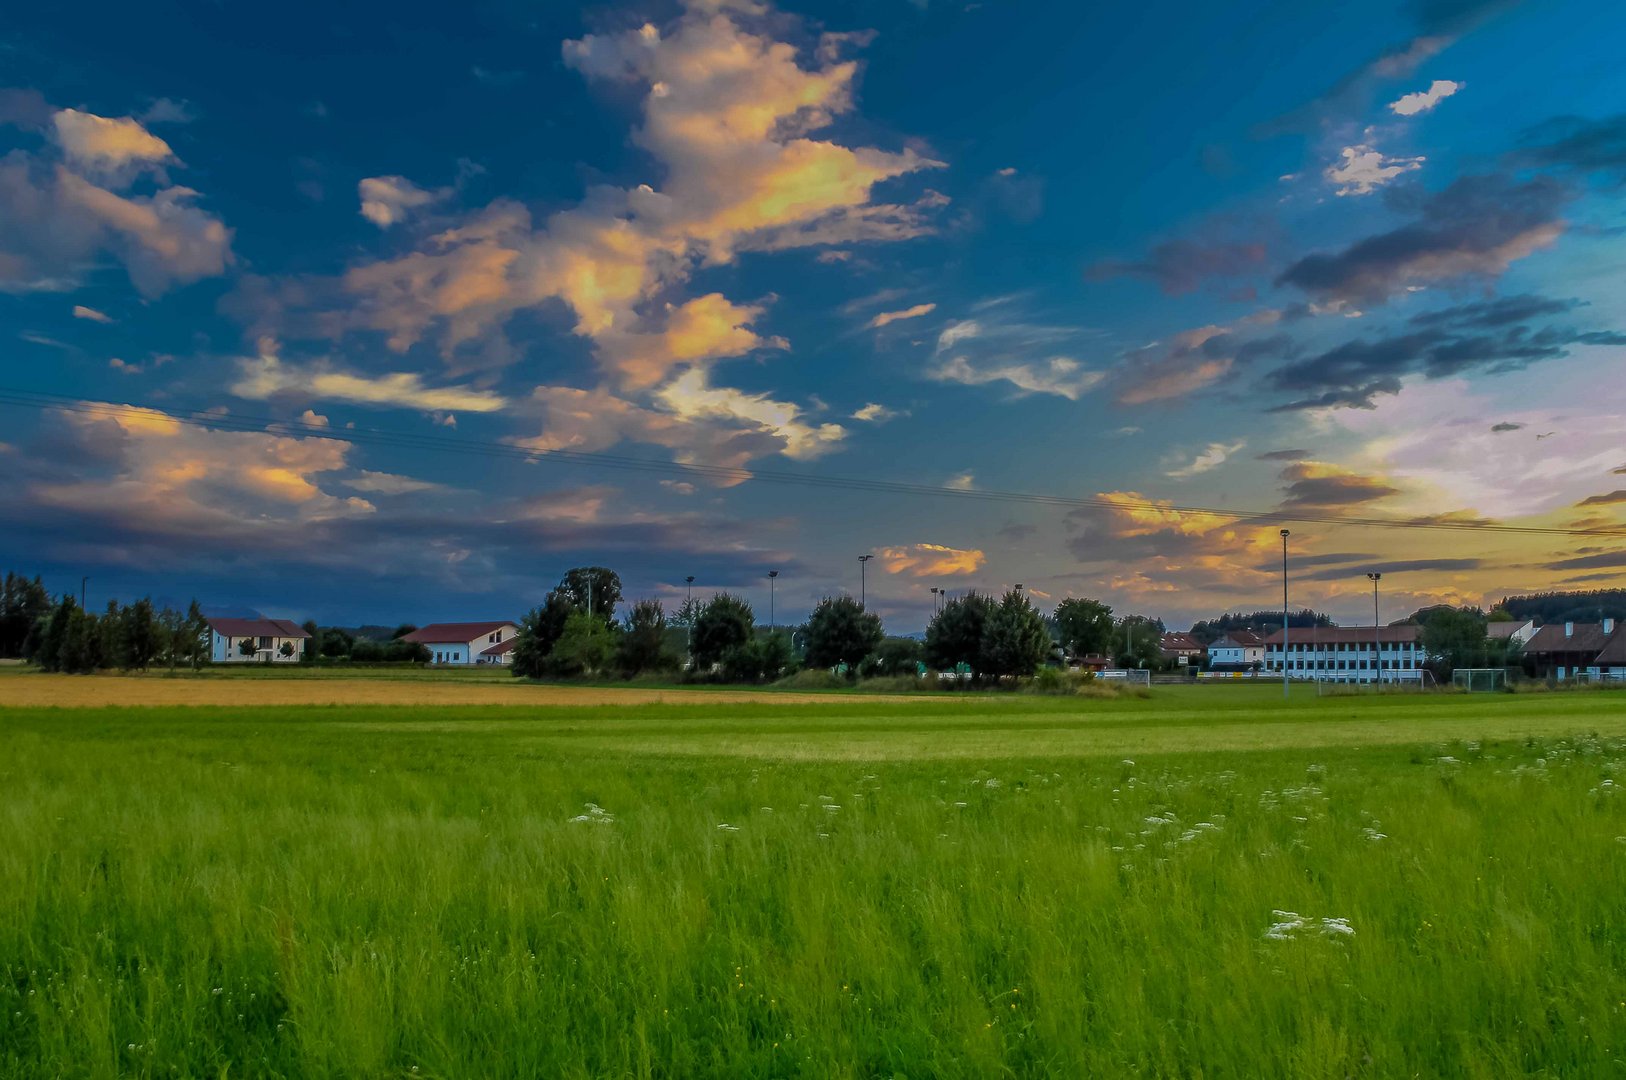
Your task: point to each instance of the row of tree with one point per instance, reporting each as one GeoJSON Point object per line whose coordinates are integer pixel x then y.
{"type": "Point", "coordinates": [130, 636]}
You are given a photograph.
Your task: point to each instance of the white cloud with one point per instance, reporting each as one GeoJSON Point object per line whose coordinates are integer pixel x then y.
{"type": "Point", "coordinates": [82, 312]}
{"type": "Point", "coordinates": [690, 397]}
{"type": "Point", "coordinates": [386, 200]}
{"type": "Point", "coordinates": [1061, 375]}
{"type": "Point", "coordinates": [382, 483]}
{"type": "Point", "coordinates": [266, 376]}
{"type": "Point", "coordinates": [1210, 458]}
{"type": "Point", "coordinates": [915, 312]}
{"type": "Point", "coordinates": [963, 482]}
{"type": "Point", "coordinates": [109, 147]}
{"type": "Point", "coordinates": [1361, 169]}
{"type": "Point", "coordinates": [1424, 100]}
{"type": "Point", "coordinates": [312, 418]}
{"type": "Point", "coordinates": [957, 332]}
{"type": "Point", "coordinates": [876, 413]}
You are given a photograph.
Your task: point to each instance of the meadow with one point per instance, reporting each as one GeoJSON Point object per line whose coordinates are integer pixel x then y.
{"type": "Point", "coordinates": [1204, 882]}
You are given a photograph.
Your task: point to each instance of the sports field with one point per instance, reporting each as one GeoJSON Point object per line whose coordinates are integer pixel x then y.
{"type": "Point", "coordinates": [1204, 882]}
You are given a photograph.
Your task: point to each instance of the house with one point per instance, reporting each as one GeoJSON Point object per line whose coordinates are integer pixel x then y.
{"type": "Point", "coordinates": [1239, 650]}
{"type": "Point", "coordinates": [1091, 662]}
{"type": "Point", "coordinates": [1611, 659]}
{"type": "Point", "coordinates": [1571, 650]}
{"type": "Point", "coordinates": [468, 642]}
{"type": "Point", "coordinates": [1511, 630]}
{"type": "Point", "coordinates": [1348, 653]}
{"type": "Point", "coordinates": [1182, 648]}
{"type": "Point", "coordinates": [276, 640]}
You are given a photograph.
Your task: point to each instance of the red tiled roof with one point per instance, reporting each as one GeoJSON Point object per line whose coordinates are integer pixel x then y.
{"type": "Point", "coordinates": [1239, 638]}
{"type": "Point", "coordinates": [449, 633]}
{"type": "Point", "coordinates": [257, 628]}
{"type": "Point", "coordinates": [1613, 654]}
{"type": "Point", "coordinates": [1181, 640]}
{"type": "Point", "coordinates": [501, 647]}
{"type": "Point", "coordinates": [1333, 635]}
{"type": "Point", "coordinates": [1505, 628]}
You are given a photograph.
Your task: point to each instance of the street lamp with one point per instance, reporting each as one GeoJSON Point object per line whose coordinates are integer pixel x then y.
{"type": "Point", "coordinates": [1285, 534]}
{"type": "Point", "coordinates": [688, 615]}
{"type": "Point", "coordinates": [82, 582]}
{"type": "Point", "coordinates": [771, 575]}
{"type": "Point", "coordinates": [935, 592]}
{"type": "Point", "coordinates": [863, 587]}
{"type": "Point", "coordinates": [1377, 644]}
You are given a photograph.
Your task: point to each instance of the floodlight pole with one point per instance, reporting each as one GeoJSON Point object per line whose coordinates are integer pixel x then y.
{"type": "Point", "coordinates": [82, 583]}
{"type": "Point", "coordinates": [1285, 534]}
{"type": "Point", "coordinates": [771, 575]}
{"type": "Point", "coordinates": [863, 585]}
{"type": "Point", "coordinates": [688, 611]}
{"type": "Point", "coordinates": [1377, 642]}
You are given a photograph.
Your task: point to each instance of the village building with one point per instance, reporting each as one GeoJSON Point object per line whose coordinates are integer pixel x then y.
{"type": "Point", "coordinates": [1181, 648]}
{"type": "Point", "coordinates": [1239, 650]}
{"type": "Point", "coordinates": [243, 641]}
{"type": "Point", "coordinates": [1347, 653]}
{"type": "Point", "coordinates": [1570, 650]}
{"type": "Point", "coordinates": [468, 642]}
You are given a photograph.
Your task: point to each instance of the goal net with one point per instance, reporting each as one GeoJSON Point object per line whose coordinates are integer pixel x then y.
{"type": "Point", "coordinates": [1131, 676]}
{"type": "Point", "coordinates": [1479, 680]}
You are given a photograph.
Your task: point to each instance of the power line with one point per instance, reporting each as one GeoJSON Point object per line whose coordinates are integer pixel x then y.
{"type": "Point", "coordinates": [238, 422]}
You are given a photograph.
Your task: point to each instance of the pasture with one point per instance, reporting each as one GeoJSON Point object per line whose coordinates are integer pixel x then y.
{"type": "Point", "coordinates": [1201, 883]}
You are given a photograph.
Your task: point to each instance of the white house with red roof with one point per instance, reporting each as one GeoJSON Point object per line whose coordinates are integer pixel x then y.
{"type": "Point", "coordinates": [278, 641]}
{"type": "Point", "coordinates": [468, 642]}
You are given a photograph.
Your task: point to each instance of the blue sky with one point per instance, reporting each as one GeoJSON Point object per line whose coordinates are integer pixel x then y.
{"type": "Point", "coordinates": [1317, 261]}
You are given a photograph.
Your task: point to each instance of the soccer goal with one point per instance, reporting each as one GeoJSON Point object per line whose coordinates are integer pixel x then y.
{"type": "Point", "coordinates": [1479, 680]}
{"type": "Point", "coordinates": [1129, 676]}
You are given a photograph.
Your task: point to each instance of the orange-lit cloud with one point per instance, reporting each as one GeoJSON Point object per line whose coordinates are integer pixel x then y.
{"type": "Point", "coordinates": [930, 560]}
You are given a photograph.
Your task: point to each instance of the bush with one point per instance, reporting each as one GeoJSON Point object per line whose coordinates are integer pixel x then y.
{"type": "Point", "coordinates": [894, 684]}
{"type": "Point", "coordinates": [812, 679]}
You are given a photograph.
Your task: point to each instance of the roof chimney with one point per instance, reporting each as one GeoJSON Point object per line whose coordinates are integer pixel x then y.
{"type": "Point", "coordinates": [1569, 629]}
{"type": "Point", "coordinates": [1609, 626]}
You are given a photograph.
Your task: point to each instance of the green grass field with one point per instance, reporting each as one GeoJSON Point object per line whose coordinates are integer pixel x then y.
{"type": "Point", "coordinates": [1202, 883]}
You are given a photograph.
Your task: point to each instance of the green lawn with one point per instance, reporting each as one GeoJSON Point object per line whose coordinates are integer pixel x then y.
{"type": "Point", "coordinates": [959, 886]}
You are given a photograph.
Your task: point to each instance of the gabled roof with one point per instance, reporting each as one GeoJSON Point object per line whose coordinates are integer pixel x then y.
{"type": "Point", "coordinates": [454, 633]}
{"type": "Point", "coordinates": [501, 647]}
{"type": "Point", "coordinates": [1239, 639]}
{"type": "Point", "coordinates": [1496, 631]}
{"type": "Point", "coordinates": [257, 628]}
{"type": "Point", "coordinates": [1181, 640]}
{"type": "Point", "coordinates": [1334, 635]}
{"type": "Point", "coordinates": [1613, 654]}
{"type": "Point", "coordinates": [1585, 638]}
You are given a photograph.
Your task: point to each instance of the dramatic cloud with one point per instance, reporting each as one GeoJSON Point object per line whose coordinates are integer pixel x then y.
{"type": "Point", "coordinates": [1475, 228]}
{"type": "Point", "coordinates": [1061, 376]}
{"type": "Point", "coordinates": [1361, 170]}
{"type": "Point", "coordinates": [1594, 146]}
{"type": "Point", "coordinates": [99, 145]}
{"type": "Point", "coordinates": [1194, 359]}
{"type": "Point", "coordinates": [930, 560]}
{"type": "Point", "coordinates": [915, 312]}
{"type": "Point", "coordinates": [1316, 484]}
{"type": "Point", "coordinates": [387, 200]}
{"type": "Point", "coordinates": [1488, 336]}
{"type": "Point", "coordinates": [59, 210]}
{"type": "Point", "coordinates": [1210, 458]}
{"type": "Point", "coordinates": [1613, 498]}
{"type": "Point", "coordinates": [978, 352]}
{"type": "Point", "coordinates": [691, 398]}
{"type": "Point", "coordinates": [704, 329]}
{"type": "Point", "coordinates": [1423, 100]}
{"type": "Point", "coordinates": [266, 376]}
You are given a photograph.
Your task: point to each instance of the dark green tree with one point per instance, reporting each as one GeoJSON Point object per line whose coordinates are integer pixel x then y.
{"type": "Point", "coordinates": [23, 603]}
{"type": "Point", "coordinates": [1138, 642]}
{"type": "Point", "coordinates": [1084, 627]}
{"type": "Point", "coordinates": [1014, 639]}
{"type": "Point", "coordinates": [642, 645]}
{"type": "Point", "coordinates": [840, 632]}
{"type": "Point", "coordinates": [313, 644]}
{"type": "Point", "coordinates": [605, 588]}
{"type": "Point", "coordinates": [141, 634]}
{"type": "Point", "coordinates": [114, 649]}
{"type": "Point", "coordinates": [761, 659]}
{"type": "Point", "coordinates": [248, 646]}
{"type": "Point", "coordinates": [539, 631]}
{"type": "Point", "coordinates": [584, 648]}
{"type": "Point", "coordinates": [52, 639]}
{"type": "Point", "coordinates": [954, 636]}
{"type": "Point", "coordinates": [894, 656]}
{"type": "Point", "coordinates": [197, 636]}
{"type": "Point", "coordinates": [171, 637]}
{"type": "Point", "coordinates": [726, 622]}
{"type": "Point", "coordinates": [1453, 638]}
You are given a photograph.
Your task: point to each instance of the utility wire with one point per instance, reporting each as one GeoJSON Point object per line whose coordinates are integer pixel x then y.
{"type": "Point", "coordinates": [238, 422]}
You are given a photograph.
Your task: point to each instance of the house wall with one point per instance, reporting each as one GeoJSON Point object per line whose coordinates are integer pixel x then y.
{"type": "Point", "coordinates": [1345, 661]}
{"type": "Point", "coordinates": [1235, 654]}
{"type": "Point", "coordinates": [224, 650]}
{"type": "Point", "coordinates": [468, 652]}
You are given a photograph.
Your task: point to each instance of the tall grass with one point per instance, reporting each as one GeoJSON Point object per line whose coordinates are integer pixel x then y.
{"type": "Point", "coordinates": [329, 893]}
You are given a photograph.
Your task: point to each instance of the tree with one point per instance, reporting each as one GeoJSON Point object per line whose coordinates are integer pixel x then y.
{"type": "Point", "coordinates": [285, 650]}
{"type": "Point", "coordinates": [840, 632]}
{"type": "Point", "coordinates": [726, 622]}
{"type": "Point", "coordinates": [603, 583]}
{"type": "Point", "coordinates": [197, 636]}
{"type": "Point", "coordinates": [141, 634]}
{"type": "Point", "coordinates": [539, 631]}
{"type": "Point", "coordinates": [403, 630]}
{"type": "Point", "coordinates": [80, 651]}
{"type": "Point", "coordinates": [758, 660]}
{"type": "Point", "coordinates": [1014, 639]}
{"type": "Point", "coordinates": [248, 646]}
{"type": "Point", "coordinates": [113, 650]}
{"type": "Point", "coordinates": [1453, 638]}
{"type": "Point", "coordinates": [23, 603]}
{"type": "Point", "coordinates": [642, 645]}
{"type": "Point", "coordinates": [57, 625]}
{"type": "Point", "coordinates": [894, 656]}
{"type": "Point", "coordinates": [313, 644]}
{"type": "Point", "coordinates": [585, 646]}
{"type": "Point", "coordinates": [1084, 626]}
{"type": "Point", "coordinates": [336, 642]}
{"type": "Point", "coordinates": [1138, 642]}
{"type": "Point", "coordinates": [171, 637]}
{"type": "Point", "coordinates": [954, 636]}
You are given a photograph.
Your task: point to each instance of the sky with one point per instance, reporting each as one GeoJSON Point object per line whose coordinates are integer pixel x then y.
{"type": "Point", "coordinates": [1191, 273]}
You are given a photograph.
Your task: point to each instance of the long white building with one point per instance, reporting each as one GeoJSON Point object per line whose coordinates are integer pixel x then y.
{"type": "Point", "coordinates": [1348, 653]}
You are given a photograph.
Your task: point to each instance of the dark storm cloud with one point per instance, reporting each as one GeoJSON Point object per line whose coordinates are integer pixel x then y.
{"type": "Point", "coordinates": [1471, 338]}
{"type": "Point", "coordinates": [1400, 567]}
{"type": "Point", "coordinates": [1593, 562]}
{"type": "Point", "coordinates": [1282, 455]}
{"type": "Point", "coordinates": [1505, 426]}
{"type": "Point", "coordinates": [1181, 266]}
{"type": "Point", "coordinates": [1613, 498]}
{"type": "Point", "coordinates": [1572, 142]}
{"type": "Point", "coordinates": [1306, 485]}
{"type": "Point", "coordinates": [1472, 229]}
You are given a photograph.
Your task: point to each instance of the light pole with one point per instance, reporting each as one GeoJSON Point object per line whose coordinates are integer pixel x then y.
{"type": "Point", "coordinates": [1285, 534]}
{"type": "Point", "coordinates": [688, 613]}
{"type": "Point", "coordinates": [1377, 644]}
{"type": "Point", "coordinates": [771, 575]}
{"type": "Point", "coordinates": [863, 587]}
{"type": "Point", "coordinates": [934, 599]}
{"type": "Point", "coordinates": [82, 582]}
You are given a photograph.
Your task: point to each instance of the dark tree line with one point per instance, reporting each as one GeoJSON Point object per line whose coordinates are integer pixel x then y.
{"type": "Point", "coordinates": [67, 638]}
{"type": "Point", "coordinates": [1263, 623]}
{"type": "Point", "coordinates": [1557, 607]}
